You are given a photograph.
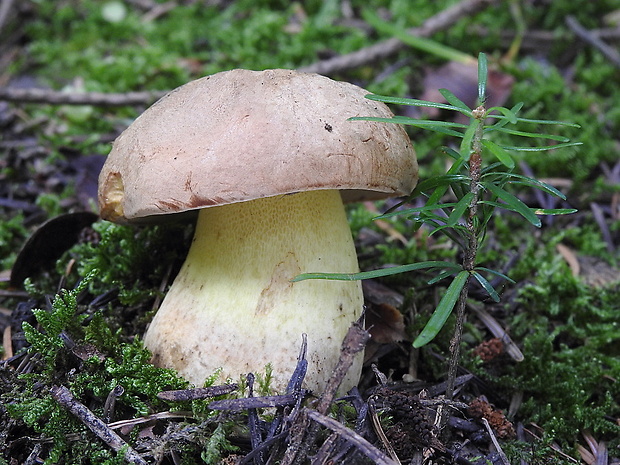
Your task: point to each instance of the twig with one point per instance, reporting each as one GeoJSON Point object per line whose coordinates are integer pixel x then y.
{"type": "Point", "coordinates": [591, 38]}
{"type": "Point", "coordinates": [7, 343]}
{"type": "Point", "coordinates": [381, 50]}
{"type": "Point", "coordinates": [256, 437]}
{"type": "Point", "coordinates": [263, 446]}
{"type": "Point", "coordinates": [376, 425]}
{"type": "Point", "coordinates": [469, 255]}
{"type": "Point", "coordinates": [440, 21]}
{"type": "Point", "coordinates": [63, 396]}
{"type": "Point", "coordinates": [536, 38]}
{"type": "Point", "coordinates": [354, 342]}
{"type": "Point", "coordinates": [362, 444]}
{"type": "Point", "coordinates": [599, 217]}
{"type": "Point", "coordinates": [110, 402]}
{"type": "Point", "coordinates": [303, 433]}
{"type": "Point", "coordinates": [33, 457]}
{"type": "Point", "coordinates": [440, 388]}
{"type": "Point", "coordinates": [502, 456]}
{"type": "Point", "coordinates": [324, 454]}
{"type": "Point", "coordinates": [54, 97]}
{"type": "Point", "coordinates": [5, 8]}
{"type": "Point", "coordinates": [183, 395]}
{"type": "Point", "coordinates": [146, 419]}
{"type": "Point", "coordinates": [239, 405]}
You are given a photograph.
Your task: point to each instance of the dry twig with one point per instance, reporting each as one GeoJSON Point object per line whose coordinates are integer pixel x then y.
{"type": "Point", "coordinates": [381, 50]}
{"type": "Point", "coordinates": [594, 40]}
{"type": "Point", "coordinates": [361, 444]}
{"type": "Point", "coordinates": [304, 432]}
{"type": "Point", "coordinates": [5, 9]}
{"type": "Point", "coordinates": [54, 97]}
{"type": "Point", "coordinates": [498, 448]}
{"type": "Point", "coordinates": [183, 395]}
{"type": "Point", "coordinates": [63, 396]}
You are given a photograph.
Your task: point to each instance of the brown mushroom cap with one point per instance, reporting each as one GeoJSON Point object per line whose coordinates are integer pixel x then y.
{"type": "Point", "coordinates": [241, 135]}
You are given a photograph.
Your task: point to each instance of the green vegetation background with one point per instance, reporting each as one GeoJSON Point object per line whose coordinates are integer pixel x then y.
{"type": "Point", "coordinates": [569, 330]}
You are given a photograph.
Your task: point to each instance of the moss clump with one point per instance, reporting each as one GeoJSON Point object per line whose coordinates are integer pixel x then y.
{"type": "Point", "coordinates": [569, 333]}
{"type": "Point", "coordinates": [72, 348]}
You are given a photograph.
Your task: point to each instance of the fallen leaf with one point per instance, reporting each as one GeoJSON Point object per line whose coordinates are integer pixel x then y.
{"type": "Point", "coordinates": [48, 243]}
{"type": "Point", "coordinates": [385, 324]}
{"type": "Point", "coordinates": [462, 80]}
{"type": "Point", "coordinates": [592, 271]}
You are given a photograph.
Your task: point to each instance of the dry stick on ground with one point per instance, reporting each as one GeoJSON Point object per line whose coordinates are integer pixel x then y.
{"type": "Point", "coordinates": [591, 38]}
{"type": "Point", "coordinates": [303, 432]}
{"type": "Point", "coordinates": [5, 9]}
{"type": "Point", "coordinates": [63, 396]}
{"type": "Point", "coordinates": [184, 395]}
{"type": "Point", "coordinates": [381, 50]}
{"type": "Point", "coordinates": [498, 448]}
{"type": "Point", "coordinates": [370, 451]}
{"type": "Point", "coordinates": [55, 97]}
{"type": "Point", "coordinates": [442, 20]}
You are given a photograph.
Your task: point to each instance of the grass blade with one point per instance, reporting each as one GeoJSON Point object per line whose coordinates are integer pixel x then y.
{"type": "Point", "coordinates": [459, 209]}
{"type": "Point", "coordinates": [454, 100]}
{"type": "Point", "coordinates": [535, 135]}
{"type": "Point", "coordinates": [544, 121]}
{"type": "Point", "coordinates": [443, 310]}
{"type": "Point", "coordinates": [421, 43]}
{"type": "Point", "coordinates": [378, 273]}
{"type": "Point", "coordinates": [496, 273]}
{"type": "Point", "coordinates": [535, 183]}
{"type": "Point", "coordinates": [482, 78]}
{"type": "Point", "coordinates": [442, 127]}
{"type": "Point", "coordinates": [408, 212]}
{"type": "Point", "coordinates": [451, 152]}
{"type": "Point", "coordinates": [544, 148]}
{"type": "Point", "coordinates": [555, 211]}
{"type": "Point", "coordinates": [487, 286]}
{"type": "Point", "coordinates": [501, 154]}
{"type": "Point", "coordinates": [510, 116]}
{"type": "Point", "coordinates": [513, 203]}
{"type": "Point", "coordinates": [412, 102]}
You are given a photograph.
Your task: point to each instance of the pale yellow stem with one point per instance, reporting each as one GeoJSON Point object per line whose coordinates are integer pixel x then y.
{"type": "Point", "coordinates": [233, 305]}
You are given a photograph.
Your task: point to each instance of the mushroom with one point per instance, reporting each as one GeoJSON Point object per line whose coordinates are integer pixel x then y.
{"type": "Point", "coordinates": [266, 158]}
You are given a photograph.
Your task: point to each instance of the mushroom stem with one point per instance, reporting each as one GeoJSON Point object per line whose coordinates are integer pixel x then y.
{"type": "Point", "coordinates": [233, 305]}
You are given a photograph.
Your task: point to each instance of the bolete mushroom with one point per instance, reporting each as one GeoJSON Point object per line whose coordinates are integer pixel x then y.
{"type": "Point", "coordinates": [266, 158]}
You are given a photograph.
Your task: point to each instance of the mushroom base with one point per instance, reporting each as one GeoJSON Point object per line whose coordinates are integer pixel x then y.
{"type": "Point", "coordinates": [233, 306]}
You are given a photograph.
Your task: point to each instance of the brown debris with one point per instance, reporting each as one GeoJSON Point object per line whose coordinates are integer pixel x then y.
{"type": "Point", "coordinates": [592, 271]}
{"type": "Point", "coordinates": [462, 80]}
{"type": "Point", "coordinates": [489, 350]}
{"type": "Point", "coordinates": [385, 324]}
{"type": "Point", "coordinates": [480, 408]}
{"type": "Point", "coordinates": [412, 428]}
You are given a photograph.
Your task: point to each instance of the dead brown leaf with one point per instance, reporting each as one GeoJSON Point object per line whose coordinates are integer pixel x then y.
{"type": "Point", "coordinates": [462, 80]}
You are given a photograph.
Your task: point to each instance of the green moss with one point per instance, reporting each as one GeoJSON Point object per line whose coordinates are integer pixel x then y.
{"type": "Point", "coordinates": [538, 82]}
{"type": "Point", "coordinates": [569, 333]}
{"type": "Point", "coordinates": [60, 346]}
{"type": "Point", "coordinates": [134, 260]}
{"type": "Point", "coordinates": [12, 236]}
{"type": "Point", "coordinates": [216, 446]}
